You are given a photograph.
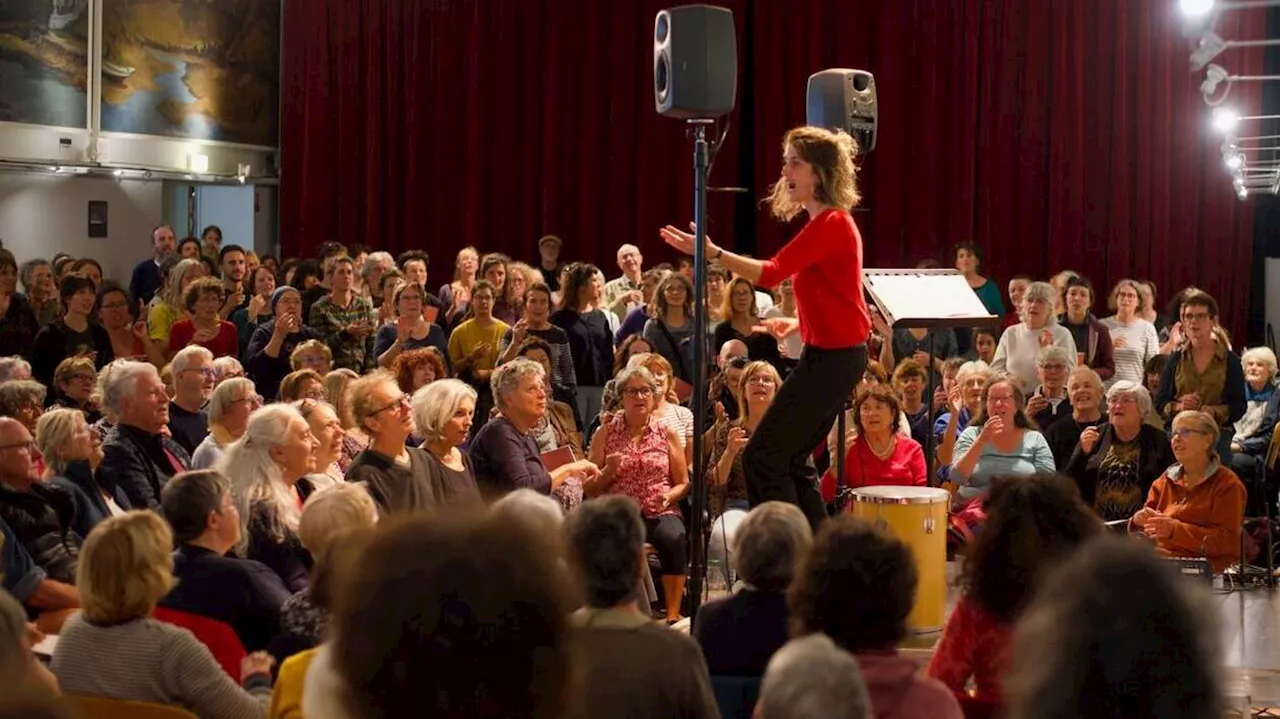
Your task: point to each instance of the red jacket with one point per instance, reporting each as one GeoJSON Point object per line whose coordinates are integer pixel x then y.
{"type": "Point", "coordinates": [826, 261]}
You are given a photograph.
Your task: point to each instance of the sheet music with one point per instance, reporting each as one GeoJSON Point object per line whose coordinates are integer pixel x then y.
{"type": "Point", "coordinates": [918, 295]}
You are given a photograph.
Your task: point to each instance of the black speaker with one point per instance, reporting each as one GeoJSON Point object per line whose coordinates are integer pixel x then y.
{"type": "Point", "coordinates": [844, 100]}
{"type": "Point", "coordinates": [695, 62]}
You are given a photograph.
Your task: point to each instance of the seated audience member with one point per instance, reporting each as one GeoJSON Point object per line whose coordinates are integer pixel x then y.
{"type": "Point", "coordinates": [1218, 388]}
{"type": "Point", "coordinates": [670, 329]}
{"type": "Point", "coordinates": [1000, 440]}
{"type": "Point", "coordinates": [1049, 402]}
{"type": "Point", "coordinates": [14, 367]}
{"type": "Point", "coordinates": [242, 593]}
{"type": "Point", "coordinates": [910, 382]}
{"type": "Point", "coordinates": [740, 320]}
{"type": "Point", "coordinates": [1153, 373]}
{"type": "Point", "coordinates": [739, 634]}
{"type": "Point", "coordinates": [1021, 344]}
{"type": "Point", "coordinates": [75, 333]}
{"type": "Point", "coordinates": [73, 386]}
{"type": "Point", "coordinates": [72, 452]}
{"type": "Point", "coordinates": [193, 379]}
{"type": "Point", "coordinates": [410, 330]}
{"type": "Point", "coordinates": [929, 348]}
{"type": "Point", "coordinates": [559, 427]}
{"type": "Point", "coordinates": [961, 402]}
{"type": "Point", "coordinates": [23, 400]}
{"type": "Point", "coordinates": [257, 311]}
{"type": "Point", "coordinates": [1084, 396]}
{"type": "Point", "coordinates": [226, 368]}
{"type": "Point", "coordinates": [812, 678]}
{"type": "Point", "coordinates": [119, 316]}
{"type": "Point", "coordinates": [503, 455]}
{"type": "Point", "coordinates": [330, 519]}
{"type": "Point", "coordinates": [1033, 524]}
{"type": "Point", "coordinates": [1253, 430]}
{"type": "Point", "coordinates": [442, 412]}
{"type": "Point", "coordinates": [40, 514]}
{"type": "Point", "coordinates": [302, 384]}
{"type": "Point", "coordinates": [857, 586]}
{"type": "Point", "coordinates": [666, 673]}
{"type": "Point", "coordinates": [354, 440]}
{"type": "Point", "coordinates": [1195, 509]}
{"type": "Point", "coordinates": [113, 649]}
{"type": "Point", "coordinates": [18, 322]}
{"type": "Point", "coordinates": [272, 344]}
{"type": "Point", "coordinates": [632, 346]}
{"type": "Point", "coordinates": [327, 430]}
{"type": "Point", "coordinates": [1091, 336]}
{"type": "Point", "coordinates": [1116, 461]}
{"type": "Point", "coordinates": [268, 468]}
{"type": "Point", "coordinates": [204, 325]}
{"type": "Point", "coordinates": [399, 648]}
{"type": "Point", "coordinates": [667, 409]}
{"type": "Point", "coordinates": [398, 477]}
{"type": "Point", "coordinates": [414, 369]}
{"type": "Point", "coordinates": [759, 383]}
{"type": "Point", "coordinates": [229, 408]}
{"type": "Point", "coordinates": [1091, 646]}
{"type": "Point", "coordinates": [313, 355]}
{"type": "Point", "coordinates": [18, 663]}
{"type": "Point", "coordinates": [345, 318]}
{"type": "Point", "coordinates": [51, 601]}
{"type": "Point", "coordinates": [166, 307]}
{"type": "Point", "coordinates": [880, 454]}
{"type": "Point", "coordinates": [643, 460]}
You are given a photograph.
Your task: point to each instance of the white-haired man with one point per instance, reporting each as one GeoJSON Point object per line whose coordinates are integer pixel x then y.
{"type": "Point", "coordinates": [193, 380]}
{"type": "Point", "coordinates": [623, 293]}
{"type": "Point", "coordinates": [137, 456]}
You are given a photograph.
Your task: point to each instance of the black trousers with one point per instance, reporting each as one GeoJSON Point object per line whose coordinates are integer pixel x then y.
{"type": "Point", "coordinates": [667, 535]}
{"type": "Point", "coordinates": [777, 461]}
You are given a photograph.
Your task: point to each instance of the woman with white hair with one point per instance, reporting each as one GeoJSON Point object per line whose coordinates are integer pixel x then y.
{"type": "Point", "coordinates": [1050, 402]}
{"type": "Point", "coordinates": [1085, 393]}
{"type": "Point", "coordinates": [1116, 461]}
{"type": "Point", "coordinates": [328, 432]}
{"type": "Point", "coordinates": [268, 466]}
{"type": "Point", "coordinates": [503, 455]}
{"type": "Point", "coordinates": [229, 408]}
{"type": "Point", "coordinates": [72, 451]}
{"type": "Point", "coordinates": [1021, 344]}
{"type": "Point", "coordinates": [964, 402]}
{"type": "Point", "coordinates": [1254, 429]}
{"type": "Point", "coordinates": [443, 411]}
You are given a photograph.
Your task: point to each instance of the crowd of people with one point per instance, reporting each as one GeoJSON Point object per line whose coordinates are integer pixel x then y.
{"type": "Point", "coordinates": [254, 487]}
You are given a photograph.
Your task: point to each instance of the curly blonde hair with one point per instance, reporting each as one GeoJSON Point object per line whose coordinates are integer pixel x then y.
{"type": "Point", "coordinates": [831, 154]}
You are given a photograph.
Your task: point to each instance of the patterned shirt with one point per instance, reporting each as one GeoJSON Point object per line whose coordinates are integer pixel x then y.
{"type": "Point", "coordinates": [332, 320]}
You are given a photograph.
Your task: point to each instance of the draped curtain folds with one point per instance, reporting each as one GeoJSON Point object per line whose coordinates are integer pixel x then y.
{"type": "Point", "coordinates": [1055, 134]}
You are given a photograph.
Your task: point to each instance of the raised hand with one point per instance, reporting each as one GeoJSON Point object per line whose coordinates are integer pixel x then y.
{"type": "Point", "coordinates": [1036, 405]}
{"type": "Point", "coordinates": [992, 429]}
{"type": "Point", "coordinates": [737, 439]}
{"type": "Point", "coordinates": [1089, 439]}
{"type": "Point", "coordinates": [780, 327]}
{"type": "Point", "coordinates": [1046, 338]}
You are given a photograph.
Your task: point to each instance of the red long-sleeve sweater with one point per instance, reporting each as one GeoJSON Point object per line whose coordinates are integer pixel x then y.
{"type": "Point", "coordinates": [826, 261]}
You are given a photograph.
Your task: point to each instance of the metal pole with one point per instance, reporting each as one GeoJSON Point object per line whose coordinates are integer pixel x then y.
{"type": "Point", "coordinates": [697, 473]}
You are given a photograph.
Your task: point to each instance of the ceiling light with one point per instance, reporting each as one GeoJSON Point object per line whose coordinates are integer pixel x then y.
{"type": "Point", "coordinates": [1195, 8]}
{"type": "Point", "coordinates": [1225, 119]}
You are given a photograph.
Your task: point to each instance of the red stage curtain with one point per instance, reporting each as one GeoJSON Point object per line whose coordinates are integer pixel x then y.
{"type": "Point", "coordinates": [1056, 134]}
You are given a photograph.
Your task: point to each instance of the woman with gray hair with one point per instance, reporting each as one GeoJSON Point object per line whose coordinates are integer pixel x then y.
{"type": "Point", "coordinates": [812, 678]}
{"type": "Point", "coordinates": [739, 634]}
{"type": "Point", "coordinates": [503, 454]}
{"type": "Point", "coordinates": [442, 412]}
{"type": "Point", "coordinates": [14, 367]}
{"type": "Point", "coordinates": [1085, 393]}
{"type": "Point", "coordinates": [1049, 402]}
{"type": "Point", "coordinates": [268, 466]}
{"type": "Point", "coordinates": [1115, 462]}
{"type": "Point", "coordinates": [1254, 429]}
{"type": "Point", "coordinates": [22, 399]}
{"type": "Point", "coordinates": [229, 408]}
{"type": "Point", "coordinates": [1020, 344]}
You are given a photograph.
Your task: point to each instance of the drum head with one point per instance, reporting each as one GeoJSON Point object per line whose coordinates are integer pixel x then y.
{"type": "Point", "coordinates": [901, 495]}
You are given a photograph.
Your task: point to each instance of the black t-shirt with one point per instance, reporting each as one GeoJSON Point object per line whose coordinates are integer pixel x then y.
{"type": "Point", "coordinates": [78, 343]}
{"type": "Point", "coordinates": [1079, 333]}
{"type": "Point", "coordinates": [188, 428]}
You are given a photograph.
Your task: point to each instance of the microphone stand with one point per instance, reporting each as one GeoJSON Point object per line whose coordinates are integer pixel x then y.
{"type": "Point", "coordinates": [697, 473]}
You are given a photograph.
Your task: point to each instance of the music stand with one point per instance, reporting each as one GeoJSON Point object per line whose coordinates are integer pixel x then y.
{"type": "Point", "coordinates": [931, 299]}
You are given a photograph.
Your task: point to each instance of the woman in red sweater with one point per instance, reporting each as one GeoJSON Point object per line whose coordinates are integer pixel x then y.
{"type": "Point", "coordinates": [825, 260]}
{"type": "Point", "coordinates": [1033, 524]}
{"type": "Point", "coordinates": [202, 325]}
{"type": "Point", "coordinates": [880, 454]}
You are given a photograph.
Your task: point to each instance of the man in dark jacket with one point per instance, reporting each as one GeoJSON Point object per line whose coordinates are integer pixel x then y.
{"type": "Point", "coordinates": [41, 515]}
{"type": "Point", "coordinates": [243, 593]}
{"type": "Point", "coordinates": [138, 457]}
{"type": "Point", "coordinates": [146, 278]}
{"type": "Point", "coordinates": [267, 359]}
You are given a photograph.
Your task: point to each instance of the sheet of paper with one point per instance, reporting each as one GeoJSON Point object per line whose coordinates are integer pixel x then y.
{"type": "Point", "coordinates": [920, 296]}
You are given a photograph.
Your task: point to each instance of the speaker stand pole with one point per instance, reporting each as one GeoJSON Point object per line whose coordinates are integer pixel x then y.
{"type": "Point", "coordinates": [697, 473]}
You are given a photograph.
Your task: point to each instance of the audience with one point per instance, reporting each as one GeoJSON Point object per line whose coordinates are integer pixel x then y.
{"type": "Point", "coordinates": [1091, 336]}
{"type": "Point", "coordinates": [193, 380]}
{"type": "Point", "coordinates": [41, 515]}
{"type": "Point", "coordinates": [72, 451]}
{"type": "Point", "coordinates": [327, 430]}
{"type": "Point", "coordinates": [267, 357]}
{"type": "Point", "coordinates": [1133, 338]}
{"type": "Point", "coordinates": [559, 427]}
{"type": "Point", "coordinates": [1021, 344]}
{"type": "Point", "coordinates": [1084, 398]}
{"type": "Point", "coordinates": [138, 456]}
{"type": "Point", "coordinates": [1000, 440]}
{"type": "Point", "coordinates": [669, 330]}
{"type": "Point", "coordinates": [73, 382]}
{"type": "Point", "coordinates": [812, 678]}
{"type": "Point", "coordinates": [442, 412]}
{"type": "Point", "coordinates": [397, 476]}
{"type": "Point", "coordinates": [75, 333]}
{"type": "Point", "coordinates": [1254, 429]}
{"type": "Point", "coordinates": [665, 673]}
{"type": "Point", "coordinates": [229, 408]}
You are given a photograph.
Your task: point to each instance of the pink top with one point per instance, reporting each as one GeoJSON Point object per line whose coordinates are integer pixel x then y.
{"type": "Point", "coordinates": [645, 472]}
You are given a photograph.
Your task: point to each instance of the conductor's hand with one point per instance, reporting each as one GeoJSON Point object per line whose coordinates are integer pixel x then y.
{"type": "Point", "coordinates": [683, 241]}
{"type": "Point", "coordinates": [780, 327]}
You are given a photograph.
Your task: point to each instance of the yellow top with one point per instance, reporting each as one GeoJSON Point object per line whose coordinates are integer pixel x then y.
{"type": "Point", "coordinates": [286, 698]}
{"type": "Point", "coordinates": [160, 321]}
{"type": "Point", "coordinates": [469, 335]}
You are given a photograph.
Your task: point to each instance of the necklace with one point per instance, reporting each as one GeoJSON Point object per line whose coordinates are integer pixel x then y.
{"type": "Point", "coordinates": [888, 450]}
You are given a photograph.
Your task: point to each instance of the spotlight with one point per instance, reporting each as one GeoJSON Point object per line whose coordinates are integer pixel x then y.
{"type": "Point", "coordinates": [1195, 8]}
{"type": "Point", "coordinates": [1225, 119]}
{"type": "Point", "coordinates": [1234, 160]}
{"type": "Point", "coordinates": [1242, 192]}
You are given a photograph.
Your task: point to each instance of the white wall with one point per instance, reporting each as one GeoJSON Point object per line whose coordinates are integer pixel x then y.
{"type": "Point", "coordinates": [42, 214]}
{"type": "Point", "coordinates": [266, 229]}
{"type": "Point", "coordinates": [230, 207]}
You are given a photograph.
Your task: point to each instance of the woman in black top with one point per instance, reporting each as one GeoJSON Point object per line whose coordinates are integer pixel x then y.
{"type": "Point", "coordinates": [741, 318]}
{"type": "Point", "coordinates": [590, 340]}
{"type": "Point", "coordinates": [442, 412]}
{"type": "Point", "coordinates": [72, 334]}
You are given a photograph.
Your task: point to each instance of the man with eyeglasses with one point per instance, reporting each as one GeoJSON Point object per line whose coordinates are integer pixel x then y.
{"type": "Point", "coordinates": [193, 381]}
{"type": "Point", "coordinates": [40, 514]}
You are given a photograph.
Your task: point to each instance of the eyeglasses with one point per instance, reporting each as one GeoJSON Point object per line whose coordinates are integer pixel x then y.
{"type": "Point", "coordinates": [231, 375]}
{"type": "Point", "coordinates": [316, 394]}
{"type": "Point", "coordinates": [403, 402]}
{"type": "Point", "coordinates": [761, 379]}
{"type": "Point", "coordinates": [1121, 399]}
{"type": "Point", "coordinates": [1055, 367]}
{"type": "Point", "coordinates": [29, 445]}
{"type": "Point", "coordinates": [81, 377]}
{"type": "Point", "coordinates": [638, 392]}
{"type": "Point", "coordinates": [254, 399]}
{"type": "Point", "coordinates": [1187, 432]}
{"type": "Point", "coordinates": [207, 372]}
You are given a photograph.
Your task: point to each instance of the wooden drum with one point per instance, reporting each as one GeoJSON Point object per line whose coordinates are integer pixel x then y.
{"type": "Point", "coordinates": [918, 517]}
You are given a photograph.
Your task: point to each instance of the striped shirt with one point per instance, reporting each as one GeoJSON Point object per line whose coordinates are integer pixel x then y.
{"type": "Point", "coordinates": [150, 661]}
{"type": "Point", "coordinates": [1140, 344]}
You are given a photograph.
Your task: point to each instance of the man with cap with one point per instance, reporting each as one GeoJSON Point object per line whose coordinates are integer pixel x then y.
{"type": "Point", "coordinates": [267, 359]}
{"type": "Point", "coordinates": [549, 260]}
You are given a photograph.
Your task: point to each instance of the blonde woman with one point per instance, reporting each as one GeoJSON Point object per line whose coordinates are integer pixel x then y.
{"type": "Point", "coordinates": [169, 309]}
{"type": "Point", "coordinates": [742, 322]}
{"type": "Point", "coordinates": [302, 384]}
{"type": "Point", "coordinates": [329, 438]}
{"type": "Point", "coordinates": [268, 467]}
{"type": "Point", "coordinates": [314, 355]}
{"type": "Point", "coordinates": [456, 296]}
{"type": "Point", "coordinates": [114, 649]}
{"type": "Point", "coordinates": [72, 451]}
{"type": "Point", "coordinates": [354, 439]}
{"type": "Point", "coordinates": [229, 408]}
{"type": "Point", "coordinates": [73, 384]}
